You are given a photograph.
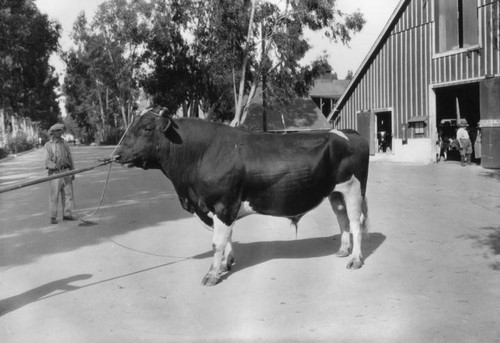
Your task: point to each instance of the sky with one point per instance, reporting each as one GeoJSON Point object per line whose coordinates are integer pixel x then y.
{"type": "Point", "coordinates": [341, 58]}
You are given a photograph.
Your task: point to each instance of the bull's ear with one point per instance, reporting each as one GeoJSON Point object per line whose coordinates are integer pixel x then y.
{"type": "Point", "coordinates": [166, 119]}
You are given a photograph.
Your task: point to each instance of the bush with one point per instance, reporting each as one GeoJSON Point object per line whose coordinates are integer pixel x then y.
{"type": "Point", "coordinates": [3, 153]}
{"type": "Point", "coordinates": [18, 144]}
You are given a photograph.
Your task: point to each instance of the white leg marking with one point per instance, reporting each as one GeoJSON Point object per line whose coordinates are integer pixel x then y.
{"type": "Point", "coordinates": [228, 257]}
{"type": "Point", "coordinates": [338, 206]}
{"type": "Point", "coordinates": [351, 190]}
{"type": "Point", "coordinates": [222, 234]}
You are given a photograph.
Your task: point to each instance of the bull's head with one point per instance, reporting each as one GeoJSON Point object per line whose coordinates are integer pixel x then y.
{"type": "Point", "coordinates": [143, 140]}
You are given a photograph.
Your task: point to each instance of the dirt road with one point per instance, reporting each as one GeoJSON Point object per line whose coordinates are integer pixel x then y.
{"type": "Point", "coordinates": [431, 274]}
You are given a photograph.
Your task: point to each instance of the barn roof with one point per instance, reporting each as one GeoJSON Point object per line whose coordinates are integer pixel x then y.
{"type": "Point", "coordinates": [301, 114]}
{"type": "Point", "coordinates": [327, 87]}
{"type": "Point", "coordinates": [369, 57]}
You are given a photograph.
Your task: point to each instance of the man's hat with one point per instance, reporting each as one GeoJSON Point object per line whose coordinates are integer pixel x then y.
{"type": "Point", "coordinates": [463, 123]}
{"type": "Point", "coordinates": [56, 127]}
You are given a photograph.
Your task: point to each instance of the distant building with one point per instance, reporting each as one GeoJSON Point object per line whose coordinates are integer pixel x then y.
{"type": "Point", "coordinates": [301, 114]}
{"type": "Point", "coordinates": [435, 61]}
{"type": "Point", "coordinates": [326, 91]}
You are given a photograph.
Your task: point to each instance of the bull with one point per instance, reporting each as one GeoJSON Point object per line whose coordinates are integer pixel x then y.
{"type": "Point", "coordinates": [221, 174]}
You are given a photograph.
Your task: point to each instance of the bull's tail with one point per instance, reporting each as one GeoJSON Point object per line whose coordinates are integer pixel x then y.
{"type": "Point", "coordinates": [364, 215]}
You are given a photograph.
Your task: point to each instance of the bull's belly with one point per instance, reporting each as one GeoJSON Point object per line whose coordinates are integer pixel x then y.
{"type": "Point", "coordinates": [292, 206]}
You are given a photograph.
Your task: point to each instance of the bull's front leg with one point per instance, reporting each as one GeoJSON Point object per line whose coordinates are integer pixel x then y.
{"type": "Point", "coordinates": [221, 237]}
{"type": "Point", "coordinates": [228, 258]}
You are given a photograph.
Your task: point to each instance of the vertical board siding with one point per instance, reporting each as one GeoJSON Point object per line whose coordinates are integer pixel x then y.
{"type": "Point", "coordinates": [399, 73]}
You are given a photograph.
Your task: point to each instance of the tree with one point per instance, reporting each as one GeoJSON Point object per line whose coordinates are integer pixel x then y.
{"type": "Point", "coordinates": [110, 50]}
{"type": "Point", "coordinates": [260, 43]}
{"type": "Point", "coordinates": [78, 87]}
{"type": "Point", "coordinates": [233, 48]}
{"type": "Point", "coordinates": [27, 39]}
{"type": "Point", "coordinates": [174, 77]}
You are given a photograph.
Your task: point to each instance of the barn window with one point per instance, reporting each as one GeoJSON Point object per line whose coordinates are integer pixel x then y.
{"type": "Point", "coordinates": [419, 128]}
{"type": "Point", "coordinates": [456, 25]}
{"type": "Point", "coordinates": [418, 124]}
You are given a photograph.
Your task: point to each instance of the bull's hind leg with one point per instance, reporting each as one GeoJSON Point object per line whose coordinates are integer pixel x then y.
{"type": "Point", "coordinates": [351, 190]}
{"type": "Point", "coordinates": [222, 235]}
{"type": "Point", "coordinates": [338, 206]}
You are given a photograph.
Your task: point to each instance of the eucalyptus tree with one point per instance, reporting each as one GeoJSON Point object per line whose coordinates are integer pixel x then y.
{"type": "Point", "coordinates": [28, 82]}
{"type": "Point", "coordinates": [220, 53]}
{"type": "Point", "coordinates": [111, 48]}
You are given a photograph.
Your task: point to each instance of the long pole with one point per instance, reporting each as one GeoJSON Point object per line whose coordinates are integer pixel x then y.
{"type": "Point", "coordinates": [48, 178]}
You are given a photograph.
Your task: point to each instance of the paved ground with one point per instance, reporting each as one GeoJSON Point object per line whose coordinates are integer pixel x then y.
{"type": "Point", "coordinates": [432, 271]}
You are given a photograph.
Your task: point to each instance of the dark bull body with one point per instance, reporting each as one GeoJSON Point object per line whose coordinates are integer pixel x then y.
{"type": "Point", "coordinates": [222, 174]}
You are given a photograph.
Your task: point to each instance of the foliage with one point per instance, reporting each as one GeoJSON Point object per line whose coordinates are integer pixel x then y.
{"type": "Point", "coordinates": [19, 143]}
{"type": "Point", "coordinates": [3, 153]}
{"type": "Point", "coordinates": [27, 39]}
{"type": "Point", "coordinates": [175, 73]}
{"type": "Point", "coordinates": [192, 54]}
{"type": "Point", "coordinates": [102, 78]}
{"type": "Point", "coordinates": [233, 47]}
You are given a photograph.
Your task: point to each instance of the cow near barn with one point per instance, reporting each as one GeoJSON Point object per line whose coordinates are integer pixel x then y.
{"type": "Point", "coordinates": [222, 174]}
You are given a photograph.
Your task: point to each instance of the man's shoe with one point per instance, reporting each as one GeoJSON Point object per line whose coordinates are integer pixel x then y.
{"type": "Point", "coordinates": [69, 218]}
{"type": "Point", "coordinates": [53, 220]}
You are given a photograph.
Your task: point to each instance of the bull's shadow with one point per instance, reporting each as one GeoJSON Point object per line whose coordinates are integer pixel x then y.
{"type": "Point", "coordinates": [254, 253]}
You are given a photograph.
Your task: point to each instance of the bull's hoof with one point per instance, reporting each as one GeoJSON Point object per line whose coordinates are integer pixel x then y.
{"type": "Point", "coordinates": [342, 252]}
{"type": "Point", "coordinates": [355, 263]}
{"type": "Point", "coordinates": [210, 280]}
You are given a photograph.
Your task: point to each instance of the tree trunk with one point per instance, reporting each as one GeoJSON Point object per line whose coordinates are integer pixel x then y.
{"type": "Point", "coordinates": [124, 112]}
{"type": "Point", "coordinates": [3, 133]}
{"type": "Point", "coordinates": [103, 119]}
{"type": "Point", "coordinates": [239, 105]}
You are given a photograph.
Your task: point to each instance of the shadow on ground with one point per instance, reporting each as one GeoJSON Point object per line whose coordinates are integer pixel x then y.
{"type": "Point", "coordinates": [490, 239]}
{"type": "Point", "coordinates": [38, 293]}
{"type": "Point", "coordinates": [134, 200]}
{"type": "Point", "coordinates": [491, 174]}
{"type": "Point", "coordinates": [255, 253]}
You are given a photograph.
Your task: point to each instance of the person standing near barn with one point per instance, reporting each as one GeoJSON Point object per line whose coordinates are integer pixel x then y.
{"type": "Point", "coordinates": [477, 146]}
{"type": "Point", "coordinates": [58, 159]}
{"type": "Point", "coordinates": [464, 142]}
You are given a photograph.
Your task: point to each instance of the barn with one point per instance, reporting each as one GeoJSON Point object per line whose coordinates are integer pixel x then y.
{"type": "Point", "coordinates": [326, 91]}
{"type": "Point", "coordinates": [434, 63]}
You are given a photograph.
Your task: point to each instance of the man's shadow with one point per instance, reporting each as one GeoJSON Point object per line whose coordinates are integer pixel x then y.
{"type": "Point", "coordinates": [41, 292]}
{"type": "Point", "coordinates": [254, 253]}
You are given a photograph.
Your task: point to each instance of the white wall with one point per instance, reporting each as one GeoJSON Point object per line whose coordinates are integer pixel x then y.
{"type": "Point", "coordinates": [416, 151]}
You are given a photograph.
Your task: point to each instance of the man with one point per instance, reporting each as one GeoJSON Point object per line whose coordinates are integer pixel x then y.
{"type": "Point", "coordinates": [58, 159]}
{"type": "Point", "coordinates": [464, 142]}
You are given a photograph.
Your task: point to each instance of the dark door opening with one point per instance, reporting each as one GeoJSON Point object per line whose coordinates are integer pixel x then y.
{"type": "Point", "coordinates": [384, 131]}
{"type": "Point", "coordinates": [454, 103]}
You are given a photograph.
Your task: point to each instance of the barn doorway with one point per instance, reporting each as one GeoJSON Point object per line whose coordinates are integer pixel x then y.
{"type": "Point", "coordinates": [452, 104]}
{"type": "Point", "coordinates": [383, 128]}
